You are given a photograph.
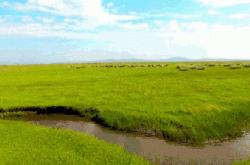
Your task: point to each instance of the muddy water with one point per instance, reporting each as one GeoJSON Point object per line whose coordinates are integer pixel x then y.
{"type": "Point", "coordinates": [154, 149]}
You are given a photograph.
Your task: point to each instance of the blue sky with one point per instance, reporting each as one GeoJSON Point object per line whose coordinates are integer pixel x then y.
{"type": "Point", "coordinates": [46, 31]}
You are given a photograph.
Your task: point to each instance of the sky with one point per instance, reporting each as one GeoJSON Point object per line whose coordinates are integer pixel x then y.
{"type": "Point", "coordinates": [49, 31]}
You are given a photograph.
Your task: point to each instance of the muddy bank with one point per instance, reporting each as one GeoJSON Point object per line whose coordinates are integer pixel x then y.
{"type": "Point", "coordinates": [157, 150]}
{"type": "Point", "coordinates": [94, 114]}
{"type": "Point", "coordinates": [90, 113]}
{"type": "Point", "coordinates": [47, 110]}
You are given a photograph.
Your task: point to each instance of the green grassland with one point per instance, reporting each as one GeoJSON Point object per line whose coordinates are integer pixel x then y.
{"type": "Point", "coordinates": [242, 162]}
{"type": "Point", "coordinates": [186, 104]}
{"type": "Point", "coordinates": [23, 143]}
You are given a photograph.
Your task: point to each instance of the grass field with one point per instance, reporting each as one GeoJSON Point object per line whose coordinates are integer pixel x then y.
{"type": "Point", "coordinates": [23, 143]}
{"type": "Point", "coordinates": [243, 162]}
{"type": "Point", "coordinates": [194, 105]}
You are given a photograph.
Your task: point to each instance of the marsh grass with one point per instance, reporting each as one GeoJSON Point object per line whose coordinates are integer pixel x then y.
{"type": "Point", "coordinates": [23, 143]}
{"type": "Point", "coordinates": [242, 162]}
{"type": "Point", "coordinates": [188, 106]}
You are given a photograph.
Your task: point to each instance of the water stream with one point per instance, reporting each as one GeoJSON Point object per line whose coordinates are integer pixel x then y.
{"type": "Point", "coordinates": [154, 149]}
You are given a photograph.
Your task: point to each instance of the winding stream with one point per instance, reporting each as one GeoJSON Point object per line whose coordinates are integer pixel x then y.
{"type": "Point", "coordinates": [154, 149]}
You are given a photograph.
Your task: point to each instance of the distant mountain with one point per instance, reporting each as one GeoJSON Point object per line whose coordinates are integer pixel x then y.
{"type": "Point", "coordinates": [178, 59]}
{"type": "Point", "coordinates": [172, 59]}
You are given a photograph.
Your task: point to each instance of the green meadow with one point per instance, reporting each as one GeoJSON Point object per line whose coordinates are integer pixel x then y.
{"type": "Point", "coordinates": [23, 143]}
{"type": "Point", "coordinates": [188, 106]}
{"type": "Point", "coordinates": [180, 102]}
{"type": "Point", "coordinates": [243, 162]}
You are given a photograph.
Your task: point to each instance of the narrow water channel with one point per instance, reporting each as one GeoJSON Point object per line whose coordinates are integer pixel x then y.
{"type": "Point", "coordinates": [154, 149]}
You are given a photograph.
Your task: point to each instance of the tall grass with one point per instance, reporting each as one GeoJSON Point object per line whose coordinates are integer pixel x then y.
{"type": "Point", "coordinates": [192, 106]}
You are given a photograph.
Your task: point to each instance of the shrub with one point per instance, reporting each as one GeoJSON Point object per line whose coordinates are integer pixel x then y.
{"type": "Point", "coordinates": [211, 65]}
{"type": "Point", "coordinates": [193, 67]}
{"type": "Point", "coordinates": [183, 69]}
{"type": "Point", "coordinates": [247, 65]}
{"type": "Point", "coordinates": [227, 65]}
{"type": "Point", "coordinates": [235, 67]}
{"type": "Point", "coordinates": [80, 67]}
{"type": "Point", "coordinates": [201, 67]}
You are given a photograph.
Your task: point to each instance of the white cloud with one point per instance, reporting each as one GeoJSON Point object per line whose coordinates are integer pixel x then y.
{"type": "Point", "coordinates": [213, 12]}
{"type": "Point", "coordinates": [42, 30]}
{"type": "Point", "coordinates": [2, 20]}
{"type": "Point", "coordinates": [224, 41]}
{"type": "Point", "coordinates": [160, 15]}
{"type": "Point", "coordinates": [135, 26]}
{"type": "Point", "coordinates": [121, 34]}
{"type": "Point", "coordinates": [190, 39]}
{"type": "Point", "coordinates": [91, 10]}
{"type": "Point", "coordinates": [240, 16]}
{"type": "Point", "coordinates": [223, 3]}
